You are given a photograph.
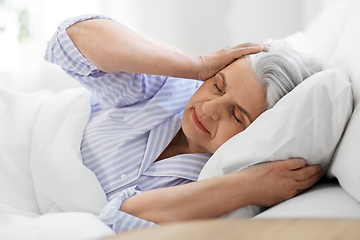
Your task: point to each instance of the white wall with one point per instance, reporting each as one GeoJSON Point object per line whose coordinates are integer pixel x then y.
{"type": "Point", "coordinates": [195, 26]}
{"type": "Point", "coordinates": [200, 26]}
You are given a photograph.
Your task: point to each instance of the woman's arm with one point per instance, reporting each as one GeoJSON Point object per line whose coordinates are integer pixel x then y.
{"type": "Point", "coordinates": [112, 47]}
{"type": "Point", "coordinates": [263, 184]}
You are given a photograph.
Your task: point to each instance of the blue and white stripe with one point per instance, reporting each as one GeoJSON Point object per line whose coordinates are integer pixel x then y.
{"type": "Point", "coordinates": [134, 117]}
{"type": "Point", "coordinates": [119, 220]}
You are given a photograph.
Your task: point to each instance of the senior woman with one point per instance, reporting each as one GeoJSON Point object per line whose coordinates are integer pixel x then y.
{"type": "Point", "coordinates": [153, 127]}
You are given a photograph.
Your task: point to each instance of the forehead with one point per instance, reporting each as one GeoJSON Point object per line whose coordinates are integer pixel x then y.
{"type": "Point", "coordinates": [244, 87]}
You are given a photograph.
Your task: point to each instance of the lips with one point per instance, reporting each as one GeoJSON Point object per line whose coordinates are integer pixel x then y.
{"type": "Point", "coordinates": [198, 123]}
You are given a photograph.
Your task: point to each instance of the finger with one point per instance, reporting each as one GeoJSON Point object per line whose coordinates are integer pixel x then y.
{"type": "Point", "coordinates": [244, 51]}
{"type": "Point", "coordinates": [247, 49]}
{"type": "Point", "coordinates": [293, 164]}
{"type": "Point", "coordinates": [264, 47]}
{"type": "Point", "coordinates": [306, 172]}
{"type": "Point", "coordinates": [305, 184]}
{"type": "Point", "coordinates": [244, 46]}
{"type": "Point", "coordinates": [300, 191]}
{"type": "Point", "coordinates": [250, 44]}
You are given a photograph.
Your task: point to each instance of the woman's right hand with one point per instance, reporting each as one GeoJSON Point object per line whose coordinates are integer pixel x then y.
{"type": "Point", "coordinates": [274, 182]}
{"type": "Point", "coordinates": [212, 63]}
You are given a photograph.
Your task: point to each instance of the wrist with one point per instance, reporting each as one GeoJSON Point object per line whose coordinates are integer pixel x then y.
{"type": "Point", "coordinates": [186, 66]}
{"type": "Point", "coordinates": [240, 187]}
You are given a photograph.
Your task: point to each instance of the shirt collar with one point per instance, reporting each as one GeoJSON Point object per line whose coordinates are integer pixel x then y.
{"type": "Point", "coordinates": [186, 166]}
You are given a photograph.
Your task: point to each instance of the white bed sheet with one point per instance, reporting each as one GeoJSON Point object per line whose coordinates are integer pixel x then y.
{"type": "Point", "coordinates": [45, 190]}
{"type": "Point", "coordinates": [54, 226]}
{"type": "Point", "coordinates": [325, 200]}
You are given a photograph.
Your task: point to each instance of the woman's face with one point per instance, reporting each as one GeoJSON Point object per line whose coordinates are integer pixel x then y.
{"type": "Point", "coordinates": [223, 106]}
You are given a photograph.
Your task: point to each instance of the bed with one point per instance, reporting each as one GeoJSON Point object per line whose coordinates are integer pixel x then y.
{"type": "Point", "coordinates": [31, 208]}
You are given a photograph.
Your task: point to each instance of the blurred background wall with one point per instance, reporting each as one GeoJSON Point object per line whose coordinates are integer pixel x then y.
{"type": "Point", "coordinates": [194, 26]}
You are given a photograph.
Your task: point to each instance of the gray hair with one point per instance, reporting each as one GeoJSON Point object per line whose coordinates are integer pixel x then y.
{"type": "Point", "coordinates": [282, 68]}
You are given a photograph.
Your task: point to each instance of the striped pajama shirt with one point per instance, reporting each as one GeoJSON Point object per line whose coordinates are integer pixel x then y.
{"type": "Point", "coordinates": [133, 118]}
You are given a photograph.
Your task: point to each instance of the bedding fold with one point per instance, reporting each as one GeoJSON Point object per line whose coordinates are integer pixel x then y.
{"type": "Point", "coordinates": [61, 182]}
{"type": "Point", "coordinates": [41, 168]}
{"type": "Point", "coordinates": [18, 114]}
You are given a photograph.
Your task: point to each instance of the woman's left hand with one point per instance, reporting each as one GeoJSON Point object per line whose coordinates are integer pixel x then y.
{"type": "Point", "coordinates": [274, 182]}
{"type": "Point", "coordinates": [212, 63]}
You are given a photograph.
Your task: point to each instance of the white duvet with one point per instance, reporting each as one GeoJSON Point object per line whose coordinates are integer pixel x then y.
{"type": "Point", "coordinates": [45, 190]}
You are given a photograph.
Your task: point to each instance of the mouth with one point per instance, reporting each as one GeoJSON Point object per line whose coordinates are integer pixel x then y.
{"type": "Point", "coordinates": [198, 123]}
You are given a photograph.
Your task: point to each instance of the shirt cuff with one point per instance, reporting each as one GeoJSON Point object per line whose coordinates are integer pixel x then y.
{"type": "Point", "coordinates": [120, 221]}
{"type": "Point", "coordinates": [62, 51]}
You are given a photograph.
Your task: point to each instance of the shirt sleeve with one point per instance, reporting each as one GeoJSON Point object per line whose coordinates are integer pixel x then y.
{"type": "Point", "coordinates": [120, 221]}
{"type": "Point", "coordinates": [115, 89]}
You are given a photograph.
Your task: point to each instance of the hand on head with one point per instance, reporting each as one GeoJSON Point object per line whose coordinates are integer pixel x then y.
{"type": "Point", "coordinates": [214, 62]}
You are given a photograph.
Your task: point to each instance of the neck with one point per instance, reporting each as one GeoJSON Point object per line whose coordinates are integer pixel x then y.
{"type": "Point", "coordinates": [178, 145]}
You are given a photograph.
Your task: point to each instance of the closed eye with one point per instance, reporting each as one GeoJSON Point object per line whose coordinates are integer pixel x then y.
{"type": "Point", "coordinates": [236, 119]}
{"type": "Point", "coordinates": [217, 88]}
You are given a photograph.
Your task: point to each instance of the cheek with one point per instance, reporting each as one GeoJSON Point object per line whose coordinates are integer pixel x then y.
{"type": "Point", "coordinates": [201, 95]}
{"type": "Point", "coordinates": [205, 88]}
{"type": "Point", "coordinates": [225, 133]}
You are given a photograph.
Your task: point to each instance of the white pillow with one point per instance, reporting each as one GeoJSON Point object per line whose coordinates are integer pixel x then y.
{"type": "Point", "coordinates": [346, 163]}
{"type": "Point", "coordinates": [307, 123]}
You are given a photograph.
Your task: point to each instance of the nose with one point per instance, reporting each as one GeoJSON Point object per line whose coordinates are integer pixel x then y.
{"type": "Point", "coordinates": [213, 108]}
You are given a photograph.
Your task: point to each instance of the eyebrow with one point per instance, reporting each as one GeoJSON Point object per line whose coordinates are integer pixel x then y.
{"type": "Point", "coordinates": [237, 105]}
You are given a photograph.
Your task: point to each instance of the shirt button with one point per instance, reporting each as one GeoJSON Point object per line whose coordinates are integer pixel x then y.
{"type": "Point", "coordinates": [123, 176]}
